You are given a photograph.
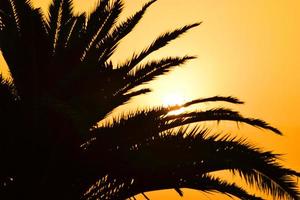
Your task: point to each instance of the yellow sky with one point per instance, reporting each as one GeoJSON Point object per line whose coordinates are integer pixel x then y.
{"type": "Point", "coordinates": [248, 49]}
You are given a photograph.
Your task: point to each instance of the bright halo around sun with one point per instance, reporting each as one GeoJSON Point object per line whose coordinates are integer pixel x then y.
{"type": "Point", "coordinates": [174, 99]}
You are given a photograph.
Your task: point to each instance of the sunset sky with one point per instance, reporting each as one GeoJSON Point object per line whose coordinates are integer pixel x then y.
{"type": "Point", "coordinates": [247, 49]}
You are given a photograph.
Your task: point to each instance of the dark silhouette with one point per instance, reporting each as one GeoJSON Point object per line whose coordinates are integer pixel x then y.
{"type": "Point", "coordinates": [63, 84]}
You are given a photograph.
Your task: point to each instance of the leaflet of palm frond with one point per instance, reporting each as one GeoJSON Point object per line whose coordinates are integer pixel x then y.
{"type": "Point", "coordinates": [110, 42]}
{"type": "Point", "coordinates": [99, 30]}
{"type": "Point", "coordinates": [178, 153]}
{"type": "Point", "coordinates": [204, 183]}
{"type": "Point", "coordinates": [146, 72]}
{"type": "Point", "coordinates": [219, 114]}
{"type": "Point", "coordinates": [160, 42]}
{"type": "Point", "coordinates": [29, 44]}
{"type": "Point", "coordinates": [60, 12]}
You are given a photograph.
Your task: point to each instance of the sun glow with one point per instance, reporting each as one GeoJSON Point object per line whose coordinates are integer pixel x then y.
{"type": "Point", "coordinates": [174, 99]}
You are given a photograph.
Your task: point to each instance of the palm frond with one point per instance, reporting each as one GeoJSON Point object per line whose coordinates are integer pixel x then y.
{"type": "Point", "coordinates": [29, 44]}
{"type": "Point", "coordinates": [98, 27]}
{"type": "Point", "coordinates": [160, 42]}
{"type": "Point", "coordinates": [129, 187]}
{"type": "Point", "coordinates": [204, 183]}
{"type": "Point", "coordinates": [73, 43]}
{"type": "Point", "coordinates": [114, 96]}
{"type": "Point", "coordinates": [151, 70]}
{"type": "Point", "coordinates": [77, 34]}
{"type": "Point", "coordinates": [15, 14]}
{"type": "Point", "coordinates": [114, 102]}
{"type": "Point", "coordinates": [97, 16]}
{"type": "Point", "coordinates": [156, 120]}
{"type": "Point", "coordinates": [110, 42]}
{"type": "Point", "coordinates": [228, 99]}
{"type": "Point", "coordinates": [219, 114]}
{"type": "Point", "coordinates": [60, 13]}
{"type": "Point", "coordinates": [181, 153]}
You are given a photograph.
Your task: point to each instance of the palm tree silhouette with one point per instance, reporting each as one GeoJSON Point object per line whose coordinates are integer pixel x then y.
{"type": "Point", "coordinates": [63, 83]}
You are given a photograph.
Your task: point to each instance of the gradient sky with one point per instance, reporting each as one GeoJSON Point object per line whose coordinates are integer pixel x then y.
{"type": "Point", "coordinates": [248, 49]}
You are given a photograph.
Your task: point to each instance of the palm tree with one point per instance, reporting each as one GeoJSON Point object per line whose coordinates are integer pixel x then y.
{"type": "Point", "coordinates": [63, 83]}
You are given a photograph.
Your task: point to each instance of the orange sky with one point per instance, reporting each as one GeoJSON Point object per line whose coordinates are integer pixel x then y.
{"type": "Point", "coordinates": [248, 49]}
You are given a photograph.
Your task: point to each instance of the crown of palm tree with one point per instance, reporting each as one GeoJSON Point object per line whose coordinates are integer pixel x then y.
{"type": "Point", "coordinates": [63, 83]}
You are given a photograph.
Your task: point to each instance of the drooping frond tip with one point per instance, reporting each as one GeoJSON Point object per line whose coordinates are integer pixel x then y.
{"type": "Point", "coordinates": [228, 99]}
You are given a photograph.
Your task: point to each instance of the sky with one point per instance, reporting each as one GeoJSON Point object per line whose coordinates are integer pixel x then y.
{"type": "Point", "coordinates": [246, 49]}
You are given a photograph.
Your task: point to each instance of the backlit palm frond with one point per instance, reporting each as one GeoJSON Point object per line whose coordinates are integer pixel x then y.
{"type": "Point", "coordinates": [204, 183]}
{"type": "Point", "coordinates": [98, 26]}
{"type": "Point", "coordinates": [118, 87]}
{"type": "Point", "coordinates": [70, 68]}
{"type": "Point", "coordinates": [97, 16]}
{"type": "Point", "coordinates": [114, 102]}
{"type": "Point", "coordinates": [28, 42]}
{"type": "Point", "coordinates": [218, 114]}
{"type": "Point", "coordinates": [151, 70]}
{"type": "Point", "coordinates": [180, 153]}
{"type": "Point", "coordinates": [228, 99]}
{"type": "Point", "coordinates": [110, 42]}
{"type": "Point", "coordinates": [156, 120]}
{"type": "Point", "coordinates": [124, 188]}
{"type": "Point", "coordinates": [109, 187]}
{"type": "Point", "coordinates": [8, 8]}
{"type": "Point", "coordinates": [60, 13]}
{"type": "Point", "coordinates": [184, 155]}
{"type": "Point", "coordinates": [160, 42]}
{"type": "Point", "coordinates": [76, 31]}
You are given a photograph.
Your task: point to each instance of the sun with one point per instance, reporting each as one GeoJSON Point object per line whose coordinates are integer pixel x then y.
{"type": "Point", "coordinates": [173, 99]}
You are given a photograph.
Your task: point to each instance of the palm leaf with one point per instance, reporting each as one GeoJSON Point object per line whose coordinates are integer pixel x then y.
{"type": "Point", "coordinates": [115, 188]}
{"type": "Point", "coordinates": [179, 154]}
{"type": "Point", "coordinates": [151, 70]}
{"type": "Point", "coordinates": [218, 114]}
{"type": "Point", "coordinates": [160, 42]}
{"type": "Point", "coordinates": [98, 27]}
{"type": "Point", "coordinates": [28, 43]}
{"type": "Point", "coordinates": [60, 12]}
{"type": "Point", "coordinates": [110, 42]}
{"type": "Point", "coordinates": [157, 120]}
